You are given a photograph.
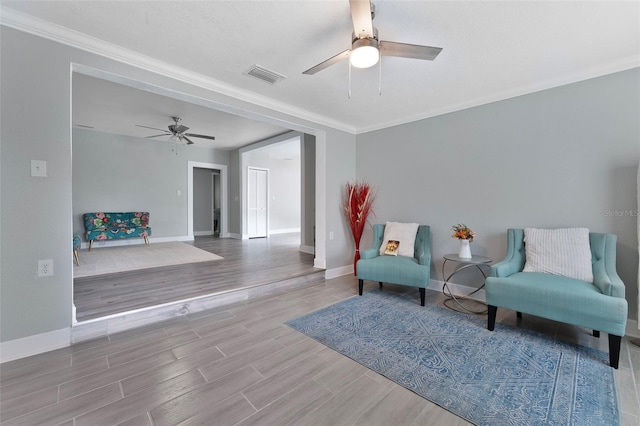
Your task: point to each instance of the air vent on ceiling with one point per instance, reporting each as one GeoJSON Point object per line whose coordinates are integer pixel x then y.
{"type": "Point", "coordinates": [264, 74]}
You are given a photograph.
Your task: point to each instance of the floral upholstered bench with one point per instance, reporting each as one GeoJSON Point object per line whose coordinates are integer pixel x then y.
{"type": "Point", "coordinates": [111, 226]}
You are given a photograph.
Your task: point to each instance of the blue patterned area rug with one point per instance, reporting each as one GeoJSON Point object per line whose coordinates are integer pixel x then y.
{"type": "Point", "coordinates": [509, 376]}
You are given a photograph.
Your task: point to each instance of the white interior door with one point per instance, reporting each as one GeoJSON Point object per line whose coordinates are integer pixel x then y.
{"type": "Point", "coordinates": [257, 202]}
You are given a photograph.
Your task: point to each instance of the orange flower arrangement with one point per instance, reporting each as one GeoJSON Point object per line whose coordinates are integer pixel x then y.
{"type": "Point", "coordinates": [462, 232]}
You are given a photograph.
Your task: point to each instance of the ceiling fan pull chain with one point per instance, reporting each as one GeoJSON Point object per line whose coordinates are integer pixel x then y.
{"type": "Point", "coordinates": [349, 93]}
{"type": "Point", "coordinates": [380, 78]}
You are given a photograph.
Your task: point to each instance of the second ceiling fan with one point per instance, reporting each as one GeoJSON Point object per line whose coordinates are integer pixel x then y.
{"type": "Point", "coordinates": [177, 131]}
{"type": "Point", "coordinates": [366, 48]}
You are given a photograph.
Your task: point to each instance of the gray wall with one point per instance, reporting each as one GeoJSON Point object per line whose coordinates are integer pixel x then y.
{"type": "Point", "coordinates": [562, 157]}
{"type": "Point", "coordinates": [235, 212]}
{"type": "Point", "coordinates": [147, 178]}
{"type": "Point", "coordinates": [202, 200]}
{"type": "Point", "coordinates": [35, 85]}
{"type": "Point", "coordinates": [308, 176]}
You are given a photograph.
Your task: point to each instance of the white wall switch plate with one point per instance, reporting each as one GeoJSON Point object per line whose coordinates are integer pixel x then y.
{"type": "Point", "coordinates": [45, 268]}
{"type": "Point", "coordinates": [38, 168]}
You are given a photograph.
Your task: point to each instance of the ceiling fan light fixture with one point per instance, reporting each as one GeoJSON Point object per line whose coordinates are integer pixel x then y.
{"type": "Point", "coordinates": [364, 53]}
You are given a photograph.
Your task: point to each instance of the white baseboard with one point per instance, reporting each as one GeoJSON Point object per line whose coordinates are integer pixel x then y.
{"type": "Point", "coordinates": [308, 249]}
{"type": "Point", "coordinates": [203, 233]}
{"type": "Point", "coordinates": [459, 290]}
{"type": "Point", "coordinates": [36, 344]}
{"type": "Point", "coordinates": [232, 235]}
{"type": "Point", "coordinates": [284, 231]}
{"type": "Point", "coordinates": [134, 241]}
{"type": "Point", "coordinates": [632, 329]}
{"type": "Point", "coordinates": [319, 263]}
{"type": "Point", "coordinates": [338, 272]}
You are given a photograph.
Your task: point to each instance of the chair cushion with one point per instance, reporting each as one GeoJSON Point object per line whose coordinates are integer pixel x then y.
{"type": "Point", "coordinates": [395, 270]}
{"type": "Point", "coordinates": [563, 252]}
{"type": "Point", "coordinates": [405, 233]}
{"type": "Point", "coordinates": [558, 298]}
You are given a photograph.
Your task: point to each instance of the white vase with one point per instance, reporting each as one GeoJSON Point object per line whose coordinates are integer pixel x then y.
{"type": "Point", "coordinates": [465, 249]}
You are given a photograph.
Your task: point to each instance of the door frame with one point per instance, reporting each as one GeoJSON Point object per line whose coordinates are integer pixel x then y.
{"type": "Point", "coordinates": [224, 205]}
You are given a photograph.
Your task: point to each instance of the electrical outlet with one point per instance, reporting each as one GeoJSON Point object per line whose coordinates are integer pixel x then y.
{"type": "Point", "coordinates": [45, 268]}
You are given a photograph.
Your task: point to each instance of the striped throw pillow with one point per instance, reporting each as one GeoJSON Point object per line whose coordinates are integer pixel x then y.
{"type": "Point", "coordinates": [564, 251]}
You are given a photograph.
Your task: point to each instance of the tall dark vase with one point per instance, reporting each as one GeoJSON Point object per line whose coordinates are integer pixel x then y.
{"type": "Point", "coordinates": [356, 257]}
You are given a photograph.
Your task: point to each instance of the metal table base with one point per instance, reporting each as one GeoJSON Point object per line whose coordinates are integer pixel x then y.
{"type": "Point", "coordinates": [462, 264]}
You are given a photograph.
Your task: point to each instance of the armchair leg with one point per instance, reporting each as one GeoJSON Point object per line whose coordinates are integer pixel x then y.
{"type": "Point", "coordinates": [360, 286]}
{"type": "Point", "coordinates": [614, 350]}
{"type": "Point", "coordinates": [422, 296]}
{"type": "Point", "coordinates": [76, 257]}
{"type": "Point", "coordinates": [596, 333]}
{"type": "Point", "coordinates": [90, 243]}
{"type": "Point", "coordinates": [491, 318]}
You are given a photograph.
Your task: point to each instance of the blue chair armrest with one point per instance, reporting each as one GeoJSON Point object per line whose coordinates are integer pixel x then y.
{"type": "Point", "coordinates": [369, 253]}
{"type": "Point", "coordinates": [374, 250]}
{"type": "Point", "coordinates": [423, 245]}
{"type": "Point", "coordinates": [514, 259]}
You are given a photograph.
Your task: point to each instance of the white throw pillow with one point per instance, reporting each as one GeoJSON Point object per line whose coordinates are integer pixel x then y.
{"type": "Point", "coordinates": [405, 233]}
{"type": "Point", "coordinates": [565, 252]}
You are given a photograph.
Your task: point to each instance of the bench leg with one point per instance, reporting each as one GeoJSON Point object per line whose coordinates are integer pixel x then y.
{"type": "Point", "coordinates": [360, 286]}
{"type": "Point", "coordinates": [491, 317]}
{"type": "Point", "coordinates": [614, 350]}
{"type": "Point", "coordinates": [380, 284]}
{"type": "Point", "coordinates": [422, 296]}
{"type": "Point", "coordinates": [596, 333]}
{"type": "Point", "coordinates": [519, 315]}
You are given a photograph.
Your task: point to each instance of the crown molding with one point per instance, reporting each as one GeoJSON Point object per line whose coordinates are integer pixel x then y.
{"type": "Point", "coordinates": [624, 64]}
{"type": "Point", "coordinates": [38, 27]}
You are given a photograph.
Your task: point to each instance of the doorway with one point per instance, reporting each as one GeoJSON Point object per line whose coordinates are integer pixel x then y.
{"type": "Point", "coordinates": [221, 169]}
{"type": "Point", "coordinates": [206, 202]}
{"type": "Point", "coordinates": [257, 202]}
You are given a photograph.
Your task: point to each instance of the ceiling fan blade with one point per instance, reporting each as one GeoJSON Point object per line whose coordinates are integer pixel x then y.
{"type": "Point", "coordinates": [328, 62]}
{"type": "Point", "coordinates": [155, 136]}
{"type": "Point", "coordinates": [153, 128]}
{"type": "Point", "coordinates": [361, 17]}
{"type": "Point", "coordinates": [193, 135]}
{"type": "Point", "coordinates": [404, 50]}
{"type": "Point", "coordinates": [189, 141]}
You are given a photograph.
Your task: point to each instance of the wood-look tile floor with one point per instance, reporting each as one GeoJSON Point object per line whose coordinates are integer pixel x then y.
{"type": "Point", "coordinates": [241, 365]}
{"type": "Point", "coordinates": [246, 263]}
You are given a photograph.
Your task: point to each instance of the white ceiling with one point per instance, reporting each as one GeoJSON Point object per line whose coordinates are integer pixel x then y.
{"type": "Point", "coordinates": [110, 107]}
{"type": "Point", "coordinates": [492, 50]}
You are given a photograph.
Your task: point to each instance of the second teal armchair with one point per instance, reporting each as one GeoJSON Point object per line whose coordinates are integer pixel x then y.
{"type": "Point", "coordinates": [600, 306]}
{"type": "Point", "coordinates": [403, 270]}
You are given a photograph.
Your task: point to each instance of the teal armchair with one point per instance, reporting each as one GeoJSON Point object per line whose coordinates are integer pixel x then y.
{"type": "Point", "coordinates": [409, 271]}
{"type": "Point", "coordinates": [600, 306]}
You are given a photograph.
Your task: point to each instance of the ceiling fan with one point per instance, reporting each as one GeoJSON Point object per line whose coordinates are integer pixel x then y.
{"type": "Point", "coordinates": [177, 132]}
{"type": "Point", "coordinates": [366, 48]}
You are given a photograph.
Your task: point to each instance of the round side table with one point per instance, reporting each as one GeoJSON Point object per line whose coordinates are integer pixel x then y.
{"type": "Point", "coordinates": [463, 263]}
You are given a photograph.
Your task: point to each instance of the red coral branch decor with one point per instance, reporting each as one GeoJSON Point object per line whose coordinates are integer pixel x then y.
{"type": "Point", "coordinates": [358, 205]}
